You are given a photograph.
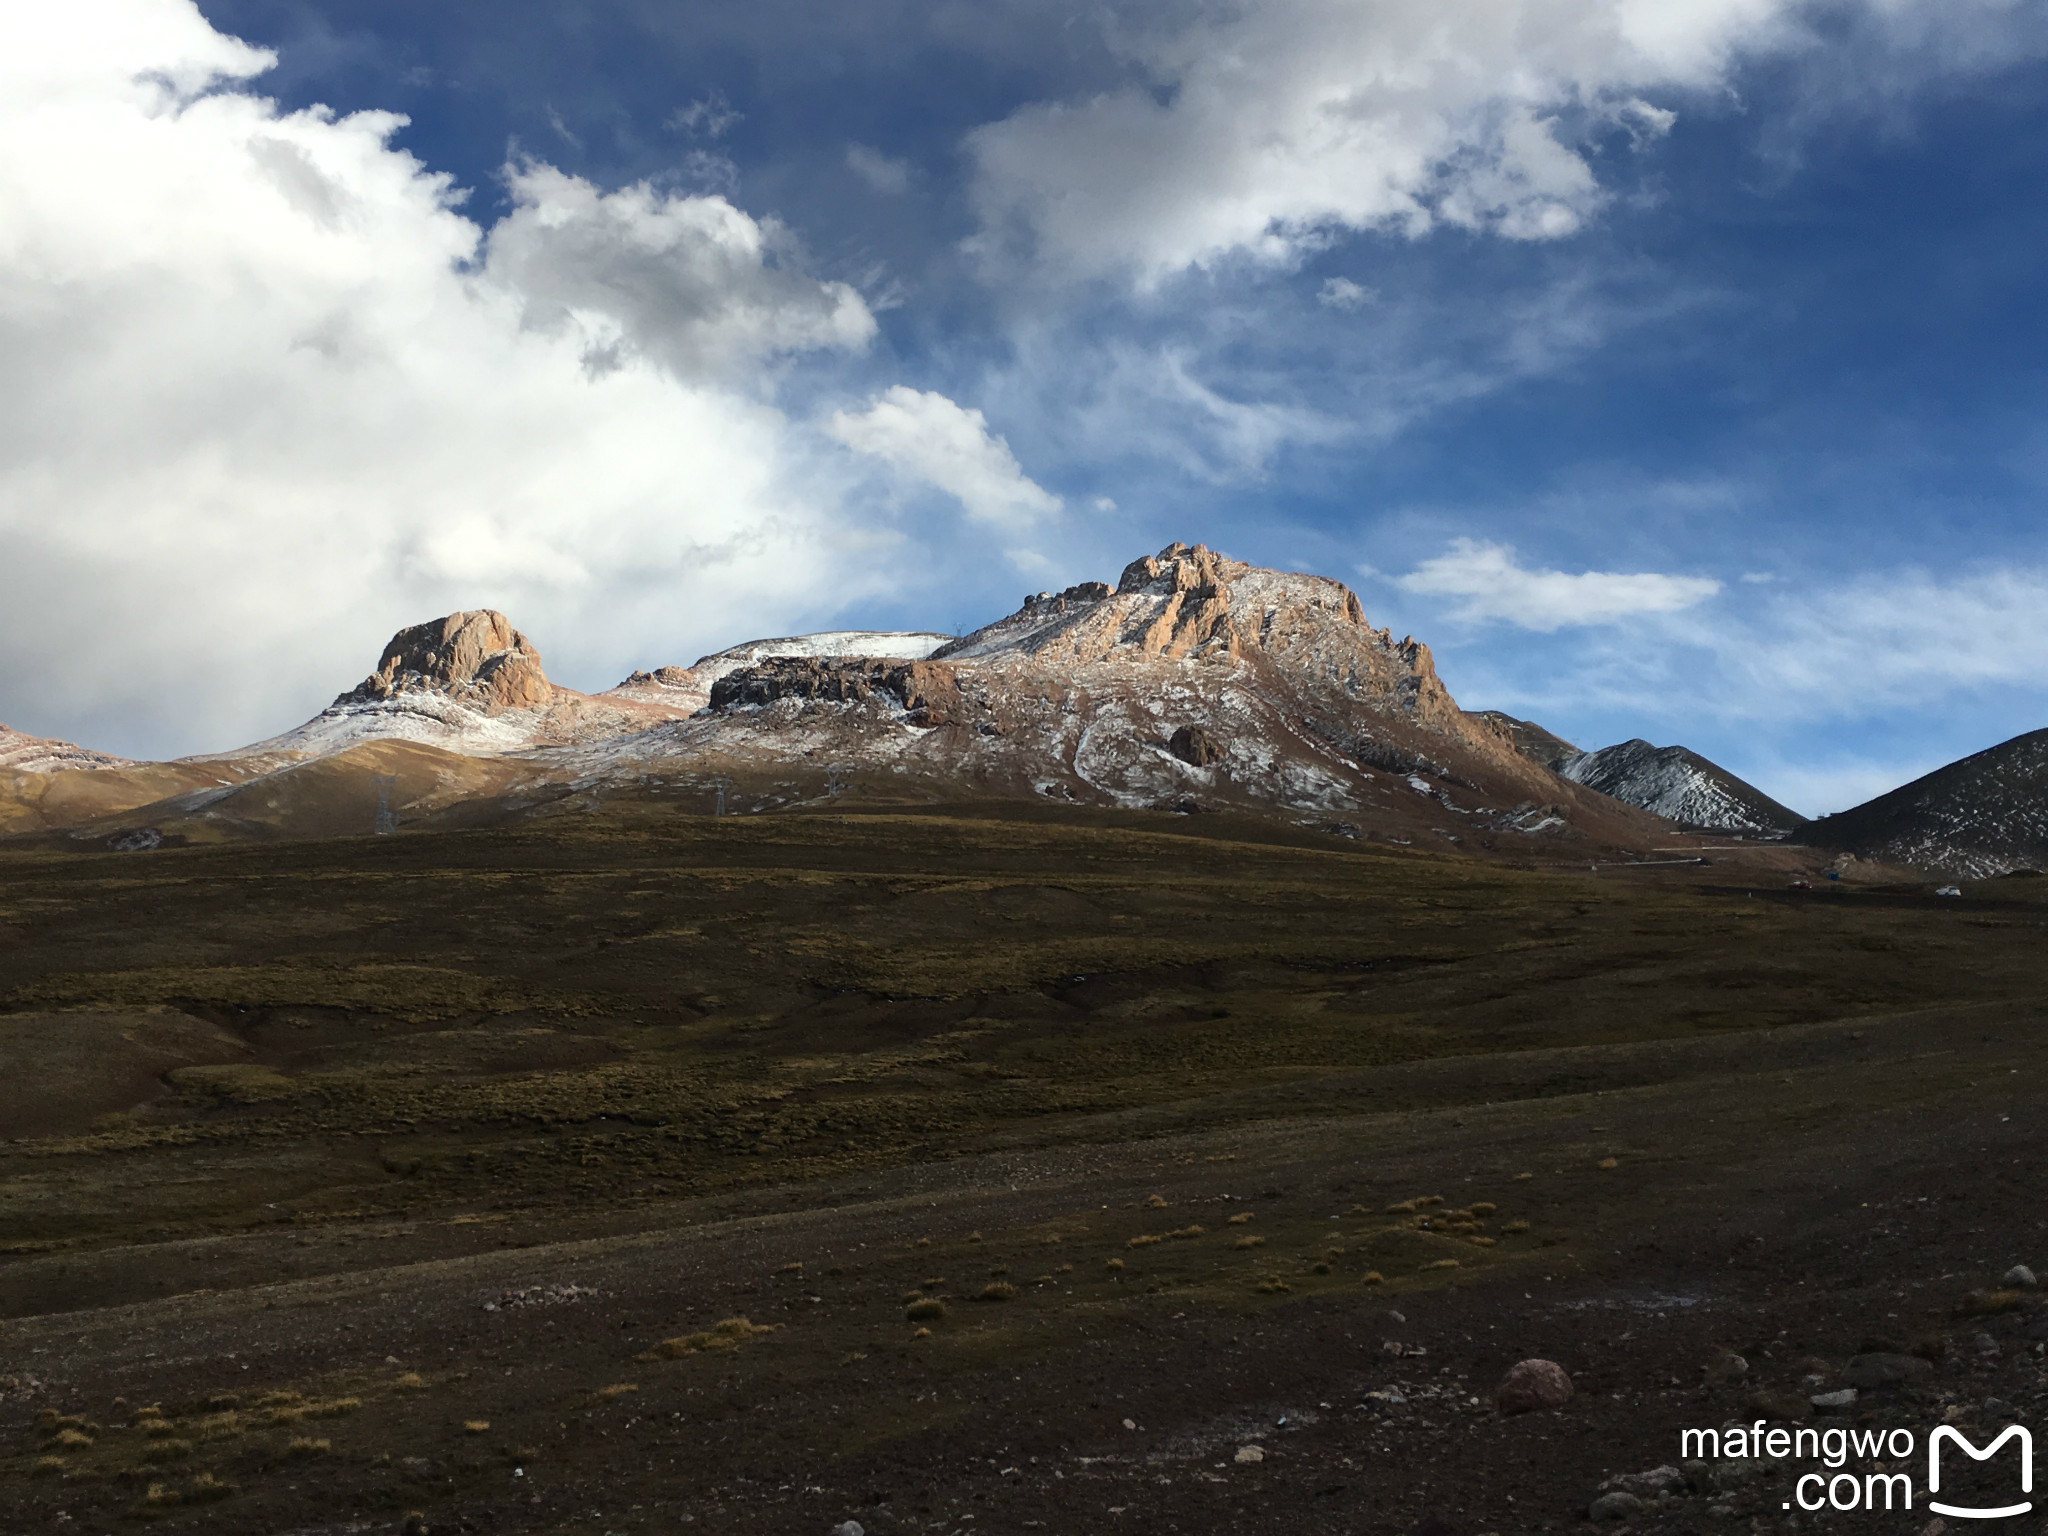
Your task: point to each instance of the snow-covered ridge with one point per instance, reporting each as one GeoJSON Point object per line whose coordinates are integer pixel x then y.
{"type": "Point", "coordinates": [40, 754]}
{"type": "Point", "coordinates": [1680, 786]}
{"type": "Point", "coordinates": [884, 644]}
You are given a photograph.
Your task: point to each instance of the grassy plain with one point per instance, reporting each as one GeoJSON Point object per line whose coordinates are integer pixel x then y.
{"type": "Point", "coordinates": [431, 1170]}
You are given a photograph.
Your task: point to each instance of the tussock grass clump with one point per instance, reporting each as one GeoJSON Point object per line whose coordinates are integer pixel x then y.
{"type": "Point", "coordinates": [1517, 1225]}
{"type": "Point", "coordinates": [47, 1466]}
{"type": "Point", "coordinates": [75, 1439]}
{"type": "Point", "coordinates": [475, 1426]}
{"type": "Point", "coordinates": [1320, 1268]}
{"type": "Point", "coordinates": [304, 1447]}
{"type": "Point", "coordinates": [280, 1399]}
{"type": "Point", "coordinates": [206, 1487]}
{"type": "Point", "coordinates": [730, 1334]}
{"type": "Point", "coordinates": [167, 1450]}
{"type": "Point", "coordinates": [925, 1309]}
{"type": "Point", "coordinates": [1155, 1202]}
{"type": "Point", "coordinates": [160, 1496]}
{"type": "Point", "coordinates": [1116, 1263]}
{"type": "Point", "coordinates": [1144, 1239]}
{"type": "Point", "coordinates": [1373, 1277]}
{"type": "Point", "coordinates": [1272, 1285]}
{"type": "Point", "coordinates": [1249, 1242]}
{"type": "Point", "coordinates": [1483, 1242]}
{"type": "Point", "coordinates": [1608, 1163]}
{"type": "Point", "coordinates": [1442, 1264]}
{"type": "Point", "coordinates": [617, 1389]}
{"type": "Point", "coordinates": [410, 1381]}
{"type": "Point", "coordinates": [332, 1407]}
{"type": "Point", "coordinates": [1000, 1290]}
{"type": "Point", "coordinates": [1484, 1208]}
{"type": "Point", "coordinates": [1241, 1218]}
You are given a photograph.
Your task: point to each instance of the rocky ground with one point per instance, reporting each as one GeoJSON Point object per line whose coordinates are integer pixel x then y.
{"type": "Point", "coordinates": [737, 1232]}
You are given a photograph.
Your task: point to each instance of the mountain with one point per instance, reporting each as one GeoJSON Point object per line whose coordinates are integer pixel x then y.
{"type": "Point", "coordinates": [1673, 782]}
{"type": "Point", "coordinates": [1985, 815]}
{"type": "Point", "coordinates": [1529, 738]}
{"type": "Point", "coordinates": [1194, 683]}
{"type": "Point", "coordinates": [1681, 786]}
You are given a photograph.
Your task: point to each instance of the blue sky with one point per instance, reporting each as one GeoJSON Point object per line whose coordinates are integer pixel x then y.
{"type": "Point", "coordinates": [1673, 370]}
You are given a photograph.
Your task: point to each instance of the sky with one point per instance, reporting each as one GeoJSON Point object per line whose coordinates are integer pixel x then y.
{"type": "Point", "coordinates": [1673, 368]}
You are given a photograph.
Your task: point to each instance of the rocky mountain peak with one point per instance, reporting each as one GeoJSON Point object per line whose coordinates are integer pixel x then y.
{"type": "Point", "coordinates": [474, 657]}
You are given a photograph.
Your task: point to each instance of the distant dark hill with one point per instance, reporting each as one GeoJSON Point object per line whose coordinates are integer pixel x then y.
{"type": "Point", "coordinates": [1985, 815]}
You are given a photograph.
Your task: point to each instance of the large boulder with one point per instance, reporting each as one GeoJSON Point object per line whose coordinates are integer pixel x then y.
{"type": "Point", "coordinates": [1533, 1385]}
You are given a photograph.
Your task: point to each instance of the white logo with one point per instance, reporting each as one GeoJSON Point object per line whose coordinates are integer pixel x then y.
{"type": "Point", "coordinates": [1947, 1432]}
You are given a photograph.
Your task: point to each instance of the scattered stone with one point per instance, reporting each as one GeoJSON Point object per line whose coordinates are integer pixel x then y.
{"type": "Point", "coordinates": [849, 1528]}
{"type": "Point", "coordinates": [1533, 1384]}
{"type": "Point", "coordinates": [143, 839]}
{"type": "Point", "coordinates": [1726, 1367]}
{"type": "Point", "coordinates": [1879, 1372]}
{"type": "Point", "coordinates": [1250, 1453]}
{"type": "Point", "coordinates": [1616, 1506]}
{"type": "Point", "coordinates": [1646, 1485]}
{"type": "Point", "coordinates": [1835, 1402]}
{"type": "Point", "coordinates": [1934, 1527]}
{"type": "Point", "coordinates": [2020, 1277]}
{"type": "Point", "coordinates": [1984, 1347]}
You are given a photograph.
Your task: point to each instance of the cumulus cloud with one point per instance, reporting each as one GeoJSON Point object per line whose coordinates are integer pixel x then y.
{"type": "Point", "coordinates": [1490, 585]}
{"type": "Point", "coordinates": [949, 446]}
{"type": "Point", "coordinates": [1263, 130]}
{"type": "Point", "coordinates": [690, 281]}
{"type": "Point", "coordinates": [270, 395]}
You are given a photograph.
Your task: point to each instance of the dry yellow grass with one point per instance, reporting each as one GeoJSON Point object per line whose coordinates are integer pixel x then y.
{"type": "Point", "coordinates": [925, 1308]}
{"type": "Point", "coordinates": [1272, 1285]}
{"type": "Point", "coordinates": [1484, 1208]}
{"type": "Point", "coordinates": [618, 1389]}
{"type": "Point", "coordinates": [476, 1426]}
{"type": "Point", "coordinates": [1000, 1290]}
{"type": "Point", "coordinates": [1609, 1162]}
{"type": "Point", "coordinates": [1241, 1218]}
{"type": "Point", "coordinates": [304, 1447]}
{"type": "Point", "coordinates": [410, 1381]}
{"type": "Point", "coordinates": [1250, 1242]}
{"type": "Point", "coordinates": [1517, 1225]}
{"type": "Point", "coordinates": [730, 1334]}
{"type": "Point", "coordinates": [1373, 1277]}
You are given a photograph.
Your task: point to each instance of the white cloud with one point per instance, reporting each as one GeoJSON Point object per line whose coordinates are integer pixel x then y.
{"type": "Point", "coordinates": [1342, 293]}
{"type": "Point", "coordinates": [926, 435]}
{"type": "Point", "coordinates": [1264, 130]}
{"type": "Point", "coordinates": [270, 395]}
{"type": "Point", "coordinates": [1491, 585]}
{"type": "Point", "coordinates": [709, 115]}
{"type": "Point", "coordinates": [690, 281]}
{"type": "Point", "coordinates": [884, 173]}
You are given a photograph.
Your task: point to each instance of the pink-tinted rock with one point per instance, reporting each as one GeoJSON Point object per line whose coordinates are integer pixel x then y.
{"type": "Point", "coordinates": [1534, 1384]}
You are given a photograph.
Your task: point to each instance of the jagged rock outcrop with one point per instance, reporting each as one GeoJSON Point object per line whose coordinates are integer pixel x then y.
{"type": "Point", "coordinates": [928, 692]}
{"type": "Point", "coordinates": [1195, 746]}
{"type": "Point", "coordinates": [476, 658]}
